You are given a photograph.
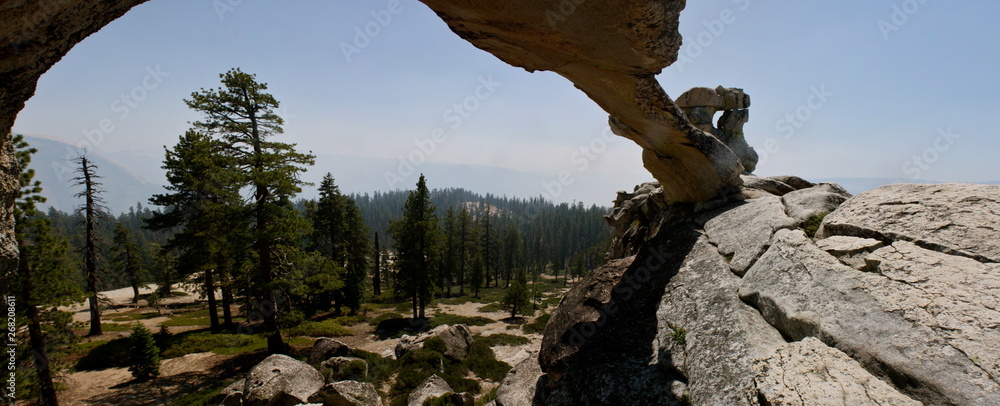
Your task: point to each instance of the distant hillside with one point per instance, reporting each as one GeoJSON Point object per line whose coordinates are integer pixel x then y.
{"type": "Point", "coordinates": [52, 165]}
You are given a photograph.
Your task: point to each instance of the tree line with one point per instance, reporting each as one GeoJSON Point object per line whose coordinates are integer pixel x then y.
{"type": "Point", "coordinates": [229, 222]}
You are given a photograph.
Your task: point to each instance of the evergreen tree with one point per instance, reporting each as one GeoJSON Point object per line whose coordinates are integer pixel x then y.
{"type": "Point", "coordinates": [144, 355]}
{"type": "Point", "coordinates": [243, 115]}
{"type": "Point", "coordinates": [449, 260]}
{"type": "Point", "coordinates": [339, 232]}
{"type": "Point", "coordinates": [128, 262]}
{"type": "Point", "coordinates": [466, 246]}
{"type": "Point", "coordinates": [204, 201]}
{"type": "Point", "coordinates": [487, 247]}
{"type": "Point", "coordinates": [511, 251]}
{"type": "Point", "coordinates": [477, 271]}
{"type": "Point", "coordinates": [416, 236]}
{"type": "Point", "coordinates": [42, 258]}
{"type": "Point", "coordinates": [91, 210]}
{"type": "Point", "coordinates": [377, 274]}
{"type": "Point", "coordinates": [356, 247]}
{"type": "Point", "coordinates": [517, 298]}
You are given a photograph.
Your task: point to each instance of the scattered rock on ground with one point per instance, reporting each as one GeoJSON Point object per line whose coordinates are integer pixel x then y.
{"type": "Point", "coordinates": [431, 387]}
{"type": "Point", "coordinates": [345, 369]}
{"type": "Point", "coordinates": [457, 340]}
{"type": "Point", "coordinates": [326, 348]}
{"type": "Point", "coordinates": [347, 393]}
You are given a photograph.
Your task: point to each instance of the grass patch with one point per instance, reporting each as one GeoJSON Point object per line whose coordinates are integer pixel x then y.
{"type": "Point", "coordinates": [811, 225]}
{"type": "Point", "coordinates": [552, 301]}
{"type": "Point", "coordinates": [451, 319]}
{"type": "Point", "coordinates": [106, 327]}
{"type": "Point", "coordinates": [383, 317]}
{"type": "Point", "coordinates": [492, 307]}
{"type": "Point", "coordinates": [325, 328]}
{"type": "Point", "coordinates": [456, 300]}
{"type": "Point", "coordinates": [351, 320]}
{"type": "Point", "coordinates": [488, 397]}
{"type": "Point", "coordinates": [679, 335]}
{"type": "Point", "coordinates": [405, 307]}
{"type": "Point", "coordinates": [194, 318]}
{"type": "Point", "coordinates": [203, 396]}
{"type": "Point", "coordinates": [494, 340]}
{"type": "Point", "coordinates": [380, 368]}
{"type": "Point", "coordinates": [537, 325]}
{"type": "Point", "coordinates": [190, 343]}
{"type": "Point", "coordinates": [131, 316]}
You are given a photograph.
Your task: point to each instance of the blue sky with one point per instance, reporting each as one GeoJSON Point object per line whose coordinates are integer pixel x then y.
{"type": "Point", "coordinates": [895, 89]}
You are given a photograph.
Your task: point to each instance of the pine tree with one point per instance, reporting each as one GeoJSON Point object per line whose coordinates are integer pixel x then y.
{"type": "Point", "coordinates": [466, 246]}
{"type": "Point", "coordinates": [42, 258]}
{"type": "Point", "coordinates": [92, 210]}
{"type": "Point", "coordinates": [512, 250]}
{"type": "Point", "coordinates": [204, 200]}
{"type": "Point", "coordinates": [377, 274]}
{"type": "Point", "coordinates": [416, 236]}
{"type": "Point", "coordinates": [356, 247]}
{"type": "Point", "coordinates": [128, 262]}
{"type": "Point", "coordinates": [516, 298]}
{"type": "Point", "coordinates": [449, 261]}
{"type": "Point", "coordinates": [340, 233]}
{"type": "Point", "coordinates": [144, 355]}
{"type": "Point", "coordinates": [477, 271]}
{"type": "Point", "coordinates": [243, 115]}
{"type": "Point", "coordinates": [487, 247]}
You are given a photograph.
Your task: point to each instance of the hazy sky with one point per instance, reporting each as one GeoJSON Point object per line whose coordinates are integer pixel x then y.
{"type": "Point", "coordinates": [839, 89]}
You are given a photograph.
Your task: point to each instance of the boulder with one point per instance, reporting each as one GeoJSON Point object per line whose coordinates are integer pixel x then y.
{"type": "Point", "coordinates": [701, 97]}
{"type": "Point", "coordinates": [457, 340]}
{"type": "Point", "coordinates": [518, 387]}
{"type": "Point", "coordinates": [742, 232]}
{"type": "Point", "coordinates": [849, 250]}
{"type": "Point", "coordinates": [793, 181]}
{"type": "Point", "coordinates": [706, 332]}
{"type": "Point", "coordinates": [347, 393]}
{"type": "Point", "coordinates": [821, 199]}
{"type": "Point", "coordinates": [344, 369]}
{"type": "Point", "coordinates": [325, 348]}
{"type": "Point", "coordinates": [804, 291]}
{"type": "Point", "coordinates": [808, 372]}
{"type": "Point", "coordinates": [958, 219]}
{"type": "Point", "coordinates": [768, 185]}
{"type": "Point", "coordinates": [232, 395]}
{"type": "Point", "coordinates": [281, 380]}
{"type": "Point", "coordinates": [431, 387]}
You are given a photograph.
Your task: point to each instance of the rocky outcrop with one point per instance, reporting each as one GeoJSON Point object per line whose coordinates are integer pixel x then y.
{"type": "Point", "coordinates": [457, 340]}
{"type": "Point", "coordinates": [347, 393]}
{"type": "Point", "coordinates": [518, 387]}
{"type": "Point", "coordinates": [700, 105]}
{"type": "Point", "coordinates": [893, 304]}
{"type": "Point", "coordinates": [808, 372]}
{"type": "Point", "coordinates": [344, 369]}
{"type": "Point", "coordinates": [956, 219]}
{"type": "Point", "coordinates": [326, 348]}
{"type": "Point", "coordinates": [431, 387]}
{"type": "Point", "coordinates": [281, 380]}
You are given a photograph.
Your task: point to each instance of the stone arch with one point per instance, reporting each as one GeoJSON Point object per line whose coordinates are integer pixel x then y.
{"type": "Point", "coordinates": [611, 50]}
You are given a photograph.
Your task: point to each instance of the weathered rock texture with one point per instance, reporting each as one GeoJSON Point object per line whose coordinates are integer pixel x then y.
{"type": "Point", "coordinates": [457, 340]}
{"type": "Point", "coordinates": [895, 305]}
{"type": "Point", "coordinates": [701, 103]}
{"type": "Point", "coordinates": [347, 393]}
{"type": "Point", "coordinates": [432, 387]}
{"type": "Point", "coordinates": [281, 380]}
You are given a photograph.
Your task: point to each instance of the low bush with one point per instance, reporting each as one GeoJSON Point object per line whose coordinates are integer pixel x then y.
{"type": "Point", "coordinates": [325, 328]}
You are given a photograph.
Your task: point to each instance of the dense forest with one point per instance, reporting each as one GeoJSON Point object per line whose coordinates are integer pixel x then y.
{"type": "Point", "coordinates": [230, 225]}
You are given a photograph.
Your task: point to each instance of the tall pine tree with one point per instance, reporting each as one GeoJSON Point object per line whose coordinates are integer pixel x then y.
{"type": "Point", "coordinates": [416, 238]}
{"type": "Point", "coordinates": [243, 115]}
{"type": "Point", "coordinates": [92, 211]}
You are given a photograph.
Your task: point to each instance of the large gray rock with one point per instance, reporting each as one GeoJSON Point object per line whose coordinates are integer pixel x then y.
{"type": "Point", "coordinates": [956, 296]}
{"type": "Point", "coordinates": [518, 387]}
{"type": "Point", "coordinates": [709, 334]}
{"type": "Point", "coordinates": [850, 250]}
{"type": "Point", "coordinates": [804, 291]}
{"type": "Point", "coordinates": [824, 198]}
{"type": "Point", "coordinates": [325, 348]}
{"type": "Point", "coordinates": [810, 373]}
{"type": "Point", "coordinates": [960, 219]}
{"type": "Point", "coordinates": [457, 340]}
{"type": "Point", "coordinates": [347, 393]}
{"type": "Point", "coordinates": [280, 380]}
{"type": "Point", "coordinates": [793, 181]}
{"type": "Point", "coordinates": [768, 185]}
{"type": "Point", "coordinates": [431, 387]}
{"type": "Point", "coordinates": [743, 232]}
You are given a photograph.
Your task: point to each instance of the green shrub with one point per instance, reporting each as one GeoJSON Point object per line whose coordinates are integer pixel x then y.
{"type": "Point", "coordinates": [538, 324]}
{"type": "Point", "coordinates": [679, 335]}
{"type": "Point", "coordinates": [380, 368]}
{"type": "Point", "coordinates": [488, 397]}
{"type": "Point", "coordinates": [383, 317]}
{"type": "Point", "coordinates": [811, 225]}
{"type": "Point", "coordinates": [190, 343]}
{"type": "Point", "coordinates": [491, 308]}
{"type": "Point", "coordinates": [483, 362]}
{"type": "Point", "coordinates": [325, 328]}
{"type": "Point", "coordinates": [144, 355]}
{"type": "Point", "coordinates": [451, 319]}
